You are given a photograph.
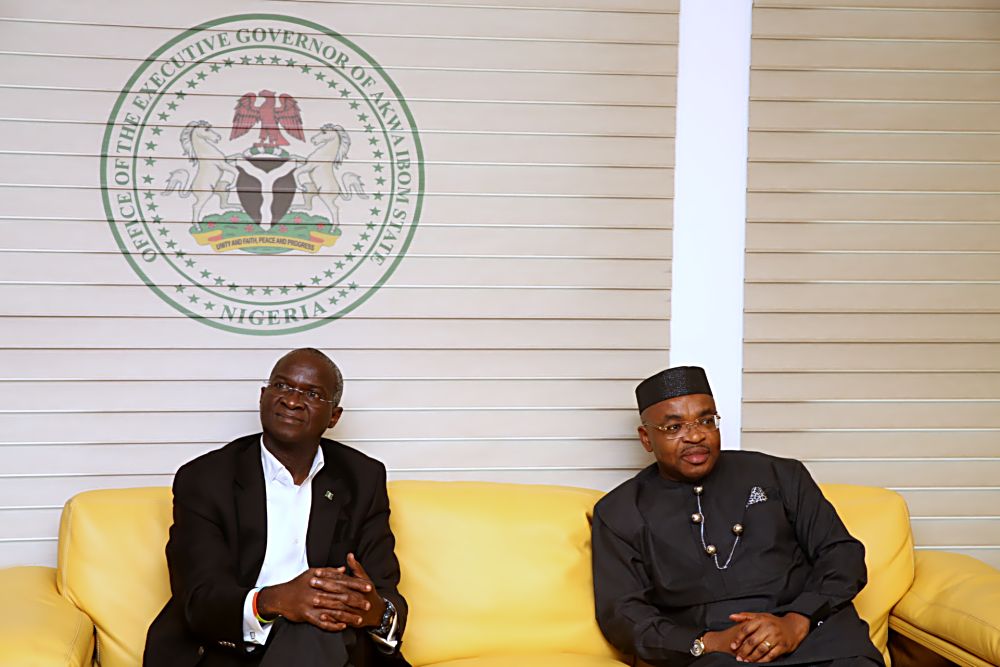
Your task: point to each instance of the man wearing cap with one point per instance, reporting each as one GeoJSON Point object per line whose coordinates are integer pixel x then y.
{"type": "Point", "coordinates": [717, 558]}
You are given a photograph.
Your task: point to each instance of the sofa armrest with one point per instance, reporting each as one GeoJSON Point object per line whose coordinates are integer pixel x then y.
{"type": "Point", "coordinates": [37, 625]}
{"type": "Point", "coordinates": [953, 608]}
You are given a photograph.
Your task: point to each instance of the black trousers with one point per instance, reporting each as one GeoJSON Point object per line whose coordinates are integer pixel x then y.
{"type": "Point", "coordinates": [301, 645]}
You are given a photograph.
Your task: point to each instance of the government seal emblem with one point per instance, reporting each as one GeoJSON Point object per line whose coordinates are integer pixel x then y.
{"type": "Point", "coordinates": [262, 174]}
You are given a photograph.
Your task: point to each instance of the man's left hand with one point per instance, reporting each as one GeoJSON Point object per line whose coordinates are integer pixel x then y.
{"type": "Point", "coordinates": [765, 637]}
{"type": "Point", "coordinates": [359, 610]}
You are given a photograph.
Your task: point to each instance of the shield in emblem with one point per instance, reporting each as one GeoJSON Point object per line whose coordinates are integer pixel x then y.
{"type": "Point", "coordinates": [265, 186]}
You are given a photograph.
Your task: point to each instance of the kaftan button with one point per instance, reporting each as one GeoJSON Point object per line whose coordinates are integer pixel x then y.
{"type": "Point", "coordinates": [697, 518]}
{"type": "Point", "coordinates": [737, 529]}
{"type": "Point", "coordinates": [710, 549]}
{"type": "Point", "coordinates": [698, 490]}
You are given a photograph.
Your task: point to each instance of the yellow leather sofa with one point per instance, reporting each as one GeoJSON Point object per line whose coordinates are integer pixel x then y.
{"type": "Point", "coordinates": [496, 575]}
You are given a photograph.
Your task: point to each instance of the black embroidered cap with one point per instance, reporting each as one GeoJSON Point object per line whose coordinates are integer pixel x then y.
{"type": "Point", "coordinates": [671, 383]}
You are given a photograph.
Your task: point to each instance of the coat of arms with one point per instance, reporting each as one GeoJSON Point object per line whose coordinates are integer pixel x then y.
{"type": "Point", "coordinates": [262, 174]}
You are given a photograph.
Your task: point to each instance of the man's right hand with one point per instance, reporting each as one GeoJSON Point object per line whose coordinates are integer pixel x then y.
{"type": "Point", "coordinates": [721, 641]}
{"type": "Point", "coordinates": [301, 600]}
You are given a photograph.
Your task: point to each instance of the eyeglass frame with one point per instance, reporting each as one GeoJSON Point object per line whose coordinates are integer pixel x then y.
{"type": "Point", "coordinates": [684, 427]}
{"type": "Point", "coordinates": [288, 389]}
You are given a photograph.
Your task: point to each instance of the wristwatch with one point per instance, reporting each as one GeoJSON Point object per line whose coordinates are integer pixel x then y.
{"type": "Point", "coordinates": [388, 620]}
{"type": "Point", "coordinates": [698, 647]}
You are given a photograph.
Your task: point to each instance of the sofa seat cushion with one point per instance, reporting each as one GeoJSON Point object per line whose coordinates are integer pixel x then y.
{"type": "Point", "coordinates": [491, 568]}
{"type": "Point", "coordinates": [534, 660]}
{"type": "Point", "coordinates": [954, 602]}
{"type": "Point", "coordinates": [37, 625]}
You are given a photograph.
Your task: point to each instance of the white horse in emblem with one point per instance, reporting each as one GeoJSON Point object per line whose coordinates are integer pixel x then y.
{"type": "Point", "coordinates": [213, 176]}
{"type": "Point", "coordinates": [317, 177]}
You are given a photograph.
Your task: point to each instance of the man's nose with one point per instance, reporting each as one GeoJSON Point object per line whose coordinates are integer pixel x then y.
{"type": "Point", "coordinates": [693, 434]}
{"type": "Point", "coordinates": [292, 399]}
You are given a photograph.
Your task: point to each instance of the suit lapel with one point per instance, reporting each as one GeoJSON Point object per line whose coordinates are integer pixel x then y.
{"type": "Point", "coordinates": [251, 511]}
{"type": "Point", "coordinates": [330, 496]}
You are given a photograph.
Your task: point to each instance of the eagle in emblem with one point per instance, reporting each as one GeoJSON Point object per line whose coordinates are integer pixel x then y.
{"type": "Point", "coordinates": [271, 116]}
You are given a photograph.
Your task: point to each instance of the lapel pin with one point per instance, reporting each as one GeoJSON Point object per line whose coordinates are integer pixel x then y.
{"type": "Point", "coordinates": [328, 495]}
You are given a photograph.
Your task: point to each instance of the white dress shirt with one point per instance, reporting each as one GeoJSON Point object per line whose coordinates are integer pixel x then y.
{"type": "Point", "coordinates": [288, 508]}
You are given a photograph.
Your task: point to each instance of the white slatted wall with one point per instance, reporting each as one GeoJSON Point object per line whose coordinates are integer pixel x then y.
{"type": "Point", "coordinates": [506, 344]}
{"type": "Point", "coordinates": [872, 337]}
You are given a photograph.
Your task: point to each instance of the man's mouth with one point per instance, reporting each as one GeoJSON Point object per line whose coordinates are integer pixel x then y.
{"type": "Point", "coordinates": [285, 417]}
{"type": "Point", "coordinates": [695, 455]}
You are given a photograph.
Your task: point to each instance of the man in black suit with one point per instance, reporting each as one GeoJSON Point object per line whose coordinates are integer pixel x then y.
{"type": "Point", "coordinates": [270, 533]}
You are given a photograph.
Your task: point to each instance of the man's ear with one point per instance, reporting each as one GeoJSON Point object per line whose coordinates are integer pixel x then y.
{"type": "Point", "coordinates": [644, 439]}
{"type": "Point", "coordinates": [335, 417]}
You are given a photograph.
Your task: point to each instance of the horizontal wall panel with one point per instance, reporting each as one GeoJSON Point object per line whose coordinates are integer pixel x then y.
{"type": "Point", "coordinates": [66, 301]}
{"type": "Point", "coordinates": [222, 426]}
{"type": "Point", "coordinates": [989, 555]}
{"type": "Point", "coordinates": [864, 23]}
{"type": "Point", "coordinates": [864, 355]}
{"type": "Point", "coordinates": [435, 114]}
{"type": "Point", "coordinates": [915, 206]}
{"type": "Point", "coordinates": [639, 6]}
{"type": "Point", "coordinates": [950, 531]}
{"type": "Point", "coordinates": [895, 474]}
{"type": "Point", "coordinates": [351, 333]}
{"type": "Point", "coordinates": [396, 52]}
{"type": "Point", "coordinates": [23, 202]}
{"type": "Point", "coordinates": [858, 443]}
{"type": "Point", "coordinates": [603, 149]}
{"type": "Point", "coordinates": [883, 5]}
{"type": "Point", "coordinates": [804, 53]}
{"type": "Point", "coordinates": [159, 24]}
{"type": "Point", "coordinates": [872, 297]}
{"type": "Point", "coordinates": [876, 85]}
{"type": "Point", "coordinates": [71, 173]}
{"type": "Point", "coordinates": [920, 266]}
{"type": "Point", "coordinates": [812, 145]}
{"type": "Point", "coordinates": [252, 358]}
{"type": "Point", "coordinates": [860, 245]}
{"type": "Point", "coordinates": [124, 458]}
{"type": "Point", "coordinates": [912, 414]}
{"type": "Point", "coordinates": [877, 176]}
{"type": "Point", "coordinates": [557, 86]}
{"type": "Point", "coordinates": [388, 394]}
{"type": "Point", "coordinates": [949, 501]}
{"type": "Point", "coordinates": [876, 385]}
{"type": "Point", "coordinates": [872, 327]}
{"type": "Point", "coordinates": [854, 115]}
{"type": "Point", "coordinates": [461, 272]}
{"type": "Point", "coordinates": [28, 552]}
{"type": "Point", "coordinates": [23, 524]}
{"type": "Point", "coordinates": [470, 241]}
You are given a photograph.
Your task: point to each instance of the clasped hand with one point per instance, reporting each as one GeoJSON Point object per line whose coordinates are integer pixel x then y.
{"type": "Point", "coordinates": [331, 598]}
{"type": "Point", "coordinates": [759, 637]}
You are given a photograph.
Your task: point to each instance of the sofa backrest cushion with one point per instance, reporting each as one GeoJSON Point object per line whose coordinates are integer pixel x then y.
{"type": "Point", "coordinates": [879, 518]}
{"type": "Point", "coordinates": [487, 568]}
{"type": "Point", "coordinates": [492, 569]}
{"type": "Point", "coordinates": [112, 565]}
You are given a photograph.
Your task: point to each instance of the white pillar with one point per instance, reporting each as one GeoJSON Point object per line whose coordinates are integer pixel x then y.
{"type": "Point", "coordinates": [713, 89]}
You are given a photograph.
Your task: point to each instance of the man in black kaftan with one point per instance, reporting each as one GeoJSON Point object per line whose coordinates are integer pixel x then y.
{"type": "Point", "coordinates": [714, 558]}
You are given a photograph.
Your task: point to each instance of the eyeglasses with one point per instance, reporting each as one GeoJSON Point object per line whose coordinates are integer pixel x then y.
{"type": "Point", "coordinates": [674, 431]}
{"type": "Point", "coordinates": [287, 390]}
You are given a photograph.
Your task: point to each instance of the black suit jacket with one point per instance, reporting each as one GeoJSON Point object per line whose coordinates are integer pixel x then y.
{"type": "Point", "coordinates": [217, 542]}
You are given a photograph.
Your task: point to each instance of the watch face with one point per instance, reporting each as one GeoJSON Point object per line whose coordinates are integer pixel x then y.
{"type": "Point", "coordinates": [698, 647]}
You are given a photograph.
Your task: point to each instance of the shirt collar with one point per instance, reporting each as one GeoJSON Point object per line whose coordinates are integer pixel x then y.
{"type": "Point", "coordinates": [275, 471]}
